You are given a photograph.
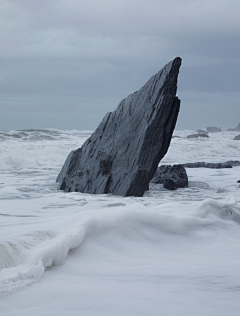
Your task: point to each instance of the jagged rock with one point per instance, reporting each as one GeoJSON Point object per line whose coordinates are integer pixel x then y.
{"type": "Point", "coordinates": [213, 129]}
{"type": "Point", "coordinates": [237, 137]}
{"type": "Point", "coordinates": [123, 153]}
{"type": "Point", "coordinates": [172, 177]}
{"type": "Point", "coordinates": [212, 165]}
{"type": "Point", "coordinates": [197, 136]}
{"type": "Point", "coordinates": [237, 129]}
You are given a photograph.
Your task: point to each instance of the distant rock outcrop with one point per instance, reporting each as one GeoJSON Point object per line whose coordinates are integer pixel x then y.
{"type": "Point", "coordinates": [198, 136]}
{"type": "Point", "coordinates": [123, 153]}
{"type": "Point", "coordinates": [172, 177]}
{"type": "Point", "coordinates": [212, 165]}
{"type": "Point", "coordinates": [237, 129]}
{"type": "Point", "coordinates": [213, 129]}
{"type": "Point", "coordinates": [237, 137]}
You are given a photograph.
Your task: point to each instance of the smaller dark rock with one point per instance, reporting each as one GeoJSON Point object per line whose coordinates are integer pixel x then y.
{"type": "Point", "coordinates": [213, 129]}
{"type": "Point", "coordinates": [172, 177]}
{"type": "Point", "coordinates": [237, 137]}
{"type": "Point", "coordinates": [197, 136]}
{"type": "Point", "coordinates": [238, 181]}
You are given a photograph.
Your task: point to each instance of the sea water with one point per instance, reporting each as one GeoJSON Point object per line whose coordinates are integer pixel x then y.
{"type": "Point", "coordinates": [166, 253]}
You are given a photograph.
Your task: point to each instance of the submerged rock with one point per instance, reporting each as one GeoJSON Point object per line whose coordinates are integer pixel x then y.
{"type": "Point", "coordinates": [172, 177]}
{"type": "Point", "coordinates": [198, 184]}
{"type": "Point", "coordinates": [198, 135]}
{"type": "Point", "coordinates": [123, 153]}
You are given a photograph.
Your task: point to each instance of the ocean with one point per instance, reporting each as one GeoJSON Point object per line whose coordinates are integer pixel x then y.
{"type": "Point", "coordinates": [168, 253]}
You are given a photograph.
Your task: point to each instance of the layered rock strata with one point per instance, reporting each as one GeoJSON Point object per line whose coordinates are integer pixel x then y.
{"type": "Point", "coordinates": [123, 153]}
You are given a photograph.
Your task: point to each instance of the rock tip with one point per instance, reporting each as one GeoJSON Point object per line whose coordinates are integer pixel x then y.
{"type": "Point", "coordinates": [177, 61]}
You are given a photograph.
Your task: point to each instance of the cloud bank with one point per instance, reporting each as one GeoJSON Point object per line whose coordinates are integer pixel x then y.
{"type": "Point", "coordinates": [64, 64]}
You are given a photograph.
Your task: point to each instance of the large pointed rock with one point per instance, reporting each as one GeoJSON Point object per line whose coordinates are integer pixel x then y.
{"type": "Point", "coordinates": [123, 153]}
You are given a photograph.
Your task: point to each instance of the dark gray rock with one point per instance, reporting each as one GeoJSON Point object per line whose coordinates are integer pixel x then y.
{"type": "Point", "coordinates": [172, 177]}
{"type": "Point", "coordinates": [213, 129]}
{"type": "Point", "coordinates": [237, 137]}
{"type": "Point", "coordinates": [236, 129]}
{"type": "Point", "coordinates": [198, 136]}
{"type": "Point", "coordinates": [123, 153]}
{"type": "Point", "coordinates": [212, 165]}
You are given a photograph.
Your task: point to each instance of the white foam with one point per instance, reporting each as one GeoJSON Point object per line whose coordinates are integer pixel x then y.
{"type": "Point", "coordinates": [162, 254]}
{"type": "Point", "coordinates": [135, 222]}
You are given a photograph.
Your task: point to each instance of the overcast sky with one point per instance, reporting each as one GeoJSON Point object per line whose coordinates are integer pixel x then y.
{"type": "Point", "coordinates": [65, 63]}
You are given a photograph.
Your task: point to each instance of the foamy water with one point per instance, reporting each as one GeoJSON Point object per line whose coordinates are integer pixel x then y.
{"type": "Point", "coordinates": [167, 253]}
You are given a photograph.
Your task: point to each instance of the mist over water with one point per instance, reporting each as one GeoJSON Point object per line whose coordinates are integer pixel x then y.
{"type": "Point", "coordinates": [164, 253]}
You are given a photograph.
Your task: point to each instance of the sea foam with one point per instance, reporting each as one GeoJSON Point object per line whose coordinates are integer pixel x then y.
{"type": "Point", "coordinates": [25, 260]}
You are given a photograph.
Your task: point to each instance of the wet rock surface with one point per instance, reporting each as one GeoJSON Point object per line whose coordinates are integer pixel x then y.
{"type": "Point", "coordinates": [123, 153]}
{"type": "Point", "coordinates": [172, 177]}
{"type": "Point", "coordinates": [237, 137]}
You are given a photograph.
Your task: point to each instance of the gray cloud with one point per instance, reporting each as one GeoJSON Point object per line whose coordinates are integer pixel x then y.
{"type": "Point", "coordinates": [64, 64]}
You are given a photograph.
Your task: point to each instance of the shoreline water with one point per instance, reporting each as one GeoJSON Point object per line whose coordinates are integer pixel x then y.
{"type": "Point", "coordinates": [91, 253]}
